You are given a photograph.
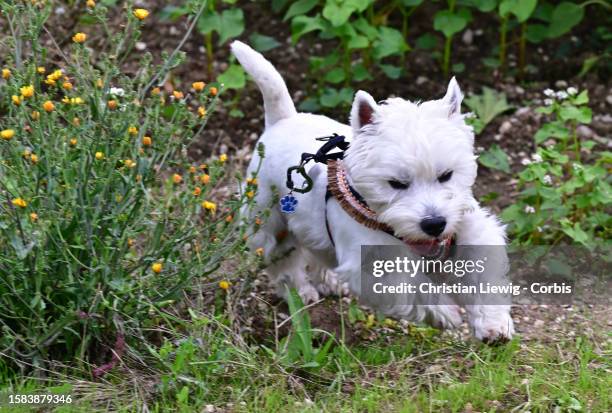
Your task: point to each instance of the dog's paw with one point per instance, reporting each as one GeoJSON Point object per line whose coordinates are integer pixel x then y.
{"type": "Point", "coordinates": [495, 328]}
{"type": "Point", "coordinates": [332, 285]}
{"type": "Point", "coordinates": [308, 293]}
{"type": "Point", "coordinates": [444, 316]}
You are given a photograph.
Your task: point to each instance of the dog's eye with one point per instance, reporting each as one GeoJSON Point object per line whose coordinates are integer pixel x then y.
{"type": "Point", "coordinates": [398, 185]}
{"type": "Point", "coordinates": [446, 176]}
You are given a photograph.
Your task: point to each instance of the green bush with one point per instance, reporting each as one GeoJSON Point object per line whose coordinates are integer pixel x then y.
{"type": "Point", "coordinates": [103, 220]}
{"type": "Point", "coordinates": [565, 187]}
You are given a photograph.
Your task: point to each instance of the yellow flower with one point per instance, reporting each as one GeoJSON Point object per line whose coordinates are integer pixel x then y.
{"type": "Point", "coordinates": [19, 202]}
{"type": "Point", "coordinates": [205, 179]}
{"type": "Point", "coordinates": [66, 100]}
{"type": "Point", "coordinates": [41, 70]}
{"type": "Point", "coordinates": [33, 217]}
{"type": "Point", "coordinates": [79, 38]}
{"type": "Point", "coordinates": [192, 169]}
{"type": "Point", "coordinates": [27, 91]}
{"type": "Point", "coordinates": [197, 191]}
{"type": "Point", "coordinates": [130, 242]}
{"type": "Point", "coordinates": [155, 91]}
{"type": "Point", "coordinates": [133, 130]}
{"type": "Point", "coordinates": [224, 285]}
{"type": "Point", "coordinates": [129, 163]}
{"type": "Point", "coordinates": [26, 154]}
{"type": "Point", "coordinates": [146, 141]}
{"type": "Point", "coordinates": [178, 95]}
{"type": "Point", "coordinates": [209, 206]}
{"type": "Point", "coordinates": [201, 111]}
{"type": "Point", "coordinates": [223, 157]}
{"type": "Point", "coordinates": [203, 167]}
{"type": "Point", "coordinates": [16, 100]}
{"type": "Point", "coordinates": [67, 85]}
{"type": "Point", "coordinates": [259, 252]}
{"type": "Point", "coordinates": [76, 101]}
{"type": "Point", "coordinates": [250, 194]}
{"type": "Point", "coordinates": [99, 83]}
{"type": "Point", "coordinates": [213, 91]}
{"type": "Point", "coordinates": [48, 106]}
{"type": "Point", "coordinates": [177, 179]}
{"type": "Point", "coordinates": [252, 181]}
{"type": "Point", "coordinates": [229, 218]}
{"type": "Point", "coordinates": [34, 158]}
{"type": "Point", "coordinates": [7, 134]}
{"type": "Point", "coordinates": [73, 142]}
{"type": "Point", "coordinates": [99, 156]}
{"type": "Point", "coordinates": [112, 104]}
{"type": "Point", "coordinates": [157, 267]}
{"type": "Point", "coordinates": [141, 14]}
{"type": "Point", "coordinates": [91, 4]}
{"type": "Point", "coordinates": [6, 73]}
{"type": "Point", "coordinates": [198, 86]}
{"type": "Point", "coordinates": [35, 115]}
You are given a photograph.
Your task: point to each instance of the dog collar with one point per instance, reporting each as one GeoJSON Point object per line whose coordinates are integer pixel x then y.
{"type": "Point", "coordinates": [354, 205]}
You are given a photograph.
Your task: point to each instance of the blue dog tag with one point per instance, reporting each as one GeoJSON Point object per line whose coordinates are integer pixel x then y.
{"type": "Point", "coordinates": [288, 204]}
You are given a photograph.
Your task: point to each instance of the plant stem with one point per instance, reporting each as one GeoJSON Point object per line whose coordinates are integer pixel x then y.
{"type": "Point", "coordinates": [448, 43]}
{"type": "Point", "coordinates": [522, 49]}
{"type": "Point", "coordinates": [503, 30]}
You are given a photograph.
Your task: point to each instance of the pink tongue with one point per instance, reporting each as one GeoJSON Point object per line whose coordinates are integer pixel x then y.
{"type": "Point", "coordinates": [424, 248]}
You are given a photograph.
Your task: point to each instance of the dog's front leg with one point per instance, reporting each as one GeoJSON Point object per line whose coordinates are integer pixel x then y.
{"type": "Point", "coordinates": [482, 236]}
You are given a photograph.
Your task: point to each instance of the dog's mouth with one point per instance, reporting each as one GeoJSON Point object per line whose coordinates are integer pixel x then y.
{"type": "Point", "coordinates": [432, 248]}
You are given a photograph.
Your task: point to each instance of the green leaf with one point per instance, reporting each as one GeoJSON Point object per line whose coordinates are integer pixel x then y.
{"type": "Point", "coordinates": [337, 13]}
{"type": "Point", "coordinates": [411, 3]}
{"type": "Point", "coordinates": [364, 27]}
{"type": "Point", "coordinates": [427, 41]}
{"type": "Point", "coordinates": [484, 6]}
{"type": "Point", "coordinates": [358, 42]}
{"type": "Point", "coordinates": [360, 73]}
{"type": "Point", "coordinates": [582, 98]}
{"type": "Point", "coordinates": [564, 17]}
{"type": "Point", "coordinates": [391, 71]}
{"type": "Point", "coordinates": [536, 33]}
{"type": "Point", "coordinates": [301, 25]}
{"type": "Point", "coordinates": [522, 9]}
{"type": "Point", "coordinates": [233, 78]}
{"type": "Point", "coordinates": [449, 23]}
{"type": "Point", "coordinates": [263, 43]}
{"type": "Point", "coordinates": [335, 75]}
{"type": "Point", "coordinates": [495, 158]}
{"type": "Point", "coordinates": [581, 115]}
{"type": "Point", "coordinates": [551, 130]}
{"type": "Point", "coordinates": [488, 105]}
{"type": "Point", "coordinates": [300, 8]}
{"type": "Point", "coordinates": [208, 23]}
{"type": "Point", "coordinates": [390, 42]}
{"type": "Point", "coordinates": [231, 24]}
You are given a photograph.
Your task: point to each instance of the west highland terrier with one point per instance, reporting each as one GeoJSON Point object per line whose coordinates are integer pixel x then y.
{"type": "Point", "coordinates": [406, 178]}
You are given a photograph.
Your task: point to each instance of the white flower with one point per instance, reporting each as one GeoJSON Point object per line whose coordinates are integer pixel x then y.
{"type": "Point", "coordinates": [525, 161]}
{"type": "Point", "coordinates": [561, 95]}
{"type": "Point", "coordinates": [576, 166]}
{"type": "Point", "coordinates": [117, 91]}
{"type": "Point", "coordinates": [470, 115]}
{"type": "Point", "coordinates": [140, 46]}
{"type": "Point", "coordinates": [548, 102]}
{"type": "Point", "coordinates": [547, 179]}
{"type": "Point", "coordinates": [549, 92]}
{"type": "Point", "coordinates": [529, 209]}
{"type": "Point", "coordinates": [540, 229]}
{"type": "Point", "coordinates": [537, 158]}
{"type": "Point", "coordinates": [572, 90]}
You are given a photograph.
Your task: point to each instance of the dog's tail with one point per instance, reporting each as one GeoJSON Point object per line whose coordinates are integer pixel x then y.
{"type": "Point", "coordinates": [277, 102]}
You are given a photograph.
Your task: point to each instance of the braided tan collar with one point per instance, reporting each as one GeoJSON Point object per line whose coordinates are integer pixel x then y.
{"type": "Point", "coordinates": [354, 205]}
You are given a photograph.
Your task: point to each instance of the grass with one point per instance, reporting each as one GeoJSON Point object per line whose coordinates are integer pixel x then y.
{"type": "Point", "coordinates": [391, 367]}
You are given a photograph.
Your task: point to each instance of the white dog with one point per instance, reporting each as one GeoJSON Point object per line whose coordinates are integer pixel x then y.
{"type": "Point", "coordinates": [413, 165]}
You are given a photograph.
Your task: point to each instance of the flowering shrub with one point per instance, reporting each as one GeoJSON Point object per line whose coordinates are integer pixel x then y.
{"type": "Point", "coordinates": [103, 220]}
{"type": "Point", "coordinates": [565, 188]}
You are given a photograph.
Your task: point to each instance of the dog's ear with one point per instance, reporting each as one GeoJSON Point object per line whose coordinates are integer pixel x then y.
{"type": "Point", "coordinates": [363, 110]}
{"type": "Point", "coordinates": [453, 98]}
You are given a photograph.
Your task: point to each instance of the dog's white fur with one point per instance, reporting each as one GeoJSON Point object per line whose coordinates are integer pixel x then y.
{"type": "Point", "coordinates": [399, 140]}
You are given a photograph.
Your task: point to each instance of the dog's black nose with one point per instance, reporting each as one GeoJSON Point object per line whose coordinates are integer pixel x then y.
{"type": "Point", "coordinates": [433, 225]}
